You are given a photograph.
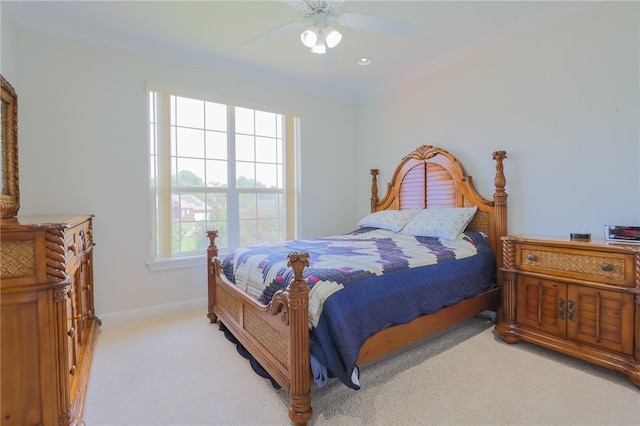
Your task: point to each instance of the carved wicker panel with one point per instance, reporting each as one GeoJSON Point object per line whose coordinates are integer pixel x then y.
{"type": "Point", "coordinates": [480, 222]}
{"type": "Point", "coordinates": [578, 263]}
{"type": "Point", "coordinates": [228, 303]}
{"type": "Point", "coordinates": [17, 258]}
{"type": "Point", "coordinates": [269, 337]}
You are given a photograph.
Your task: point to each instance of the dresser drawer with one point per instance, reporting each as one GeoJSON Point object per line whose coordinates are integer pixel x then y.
{"type": "Point", "coordinates": [78, 241]}
{"type": "Point", "coordinates": [607, 267]}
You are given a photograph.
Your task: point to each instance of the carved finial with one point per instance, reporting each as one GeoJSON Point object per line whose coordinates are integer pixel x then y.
{"type": "Point", "coordinates": [213, 249]}
{"type": "Point", "coordinates": [298, 261]}
{"type": "Point", "coordinates": [500, 181]}
{"type": "Point", "coordinates": [374, 189]}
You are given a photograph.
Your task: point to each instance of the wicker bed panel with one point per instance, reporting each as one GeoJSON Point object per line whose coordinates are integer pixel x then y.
{"type": "Point", "coordinates": [275, 342]}
{"type": "Point", "coordinates": [480, 223]}
{"type": "Point", "coordinates": [230, 305]}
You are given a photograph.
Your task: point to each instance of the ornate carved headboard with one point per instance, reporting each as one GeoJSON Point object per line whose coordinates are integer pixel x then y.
{"type": "Point", "coordinates": [431, 177]}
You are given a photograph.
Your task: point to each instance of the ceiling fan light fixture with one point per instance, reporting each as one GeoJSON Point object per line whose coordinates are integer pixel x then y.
{"type": "Point", "coordinates": [332, 36]}
{"type": "Point", "coordinates": [309, 37]}
{"type": "Point", "coordinates": [321, 47]}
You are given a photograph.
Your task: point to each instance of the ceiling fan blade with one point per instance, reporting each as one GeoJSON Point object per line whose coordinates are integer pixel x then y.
{"type": "Point", "coordinates": [274, 34]}
{"type": "Point", "coordinates": [376, 24]}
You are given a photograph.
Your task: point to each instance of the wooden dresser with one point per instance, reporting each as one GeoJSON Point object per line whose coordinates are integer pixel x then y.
{"type": "Point", "coordinates": [581, 298]}
{"type": "Point", "coordinates": [48, 323]}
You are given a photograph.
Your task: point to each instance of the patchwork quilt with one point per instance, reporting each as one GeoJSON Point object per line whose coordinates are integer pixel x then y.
{"type": "Point", "coordinates": [361, 282]}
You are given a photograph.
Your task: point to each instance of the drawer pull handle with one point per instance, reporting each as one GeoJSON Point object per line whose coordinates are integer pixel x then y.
{"type": "Point", "coordinates": [598, 300]}
{"type": "Point", "coordinates": [607, 267]}
{"type": "Point", "coordinates": [72, 370]}
{"type": "Point", "coordinates": [561, 309]}
{"type": "Point", "coordinates": [531, 257]}
{"type": "Point", "coordinates": [570, 309]}
{"type": "Point", "coordinates": [71, 332]}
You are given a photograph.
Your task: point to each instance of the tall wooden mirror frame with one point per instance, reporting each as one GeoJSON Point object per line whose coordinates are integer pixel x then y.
{"type": "Point", "coordinates": [10, 195]}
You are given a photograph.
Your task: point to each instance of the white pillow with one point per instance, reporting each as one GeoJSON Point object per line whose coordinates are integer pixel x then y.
{"type": "Point", "coordinates": [393, 220]}
{"type": "Point", "coordinates": [447, 223]}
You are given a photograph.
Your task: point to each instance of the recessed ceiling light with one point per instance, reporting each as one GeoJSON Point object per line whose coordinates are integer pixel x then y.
{"type": "Point", "coordinates": [365, 61]}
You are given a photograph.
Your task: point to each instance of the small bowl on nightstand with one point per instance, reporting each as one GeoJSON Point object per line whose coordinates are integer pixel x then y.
{"type": "Point", "coordinates": [580, 237]}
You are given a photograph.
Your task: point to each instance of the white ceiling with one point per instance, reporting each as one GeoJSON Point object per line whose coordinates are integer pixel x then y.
{"type": "Point", "coordinates": [212, 33]}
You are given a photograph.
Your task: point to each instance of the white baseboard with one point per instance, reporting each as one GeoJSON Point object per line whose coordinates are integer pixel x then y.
{"type": "Point", "coordinates": [150, 312]}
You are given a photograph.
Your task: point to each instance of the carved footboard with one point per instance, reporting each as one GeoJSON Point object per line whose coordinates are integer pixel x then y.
{"type": "Point", "coordinates": [277, 334]}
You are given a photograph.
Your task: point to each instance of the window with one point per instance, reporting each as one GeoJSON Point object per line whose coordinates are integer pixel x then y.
{"type": "Point", "coordinates": [217, 166]}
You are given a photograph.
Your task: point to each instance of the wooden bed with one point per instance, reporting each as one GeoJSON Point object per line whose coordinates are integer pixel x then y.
{"type": "Point", "coordinates": [277, 334]}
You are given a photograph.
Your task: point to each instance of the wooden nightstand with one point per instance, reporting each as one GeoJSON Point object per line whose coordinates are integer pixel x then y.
{"type": "Point", "coordinates": [581, 298]}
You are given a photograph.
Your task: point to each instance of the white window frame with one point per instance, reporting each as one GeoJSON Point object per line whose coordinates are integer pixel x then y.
{"type": "Point", "coordinates": [160, 193]}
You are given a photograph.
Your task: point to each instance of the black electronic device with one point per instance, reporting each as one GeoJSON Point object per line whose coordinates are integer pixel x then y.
{"type": "Point", "coordinates": [622, 234]}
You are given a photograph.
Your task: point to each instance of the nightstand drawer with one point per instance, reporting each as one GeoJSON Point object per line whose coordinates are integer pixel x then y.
{"type": "Point", "coordinates": [612, 268]}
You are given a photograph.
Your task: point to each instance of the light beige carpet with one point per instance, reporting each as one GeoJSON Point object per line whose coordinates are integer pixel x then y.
{"type": "Point", "coordinates": [180, 370]}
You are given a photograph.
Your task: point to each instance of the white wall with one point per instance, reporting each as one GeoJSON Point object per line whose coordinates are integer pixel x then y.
{"type": "Point", "coordinates": [562, 101]}
{"type": "Point", "coordinates": [83, 149]}
{"type": "Point", "coordinates": [7, 46]}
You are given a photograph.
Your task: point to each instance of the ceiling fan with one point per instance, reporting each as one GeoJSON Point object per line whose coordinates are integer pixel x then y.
{"type": "Point", "coordinates": [319, 35]}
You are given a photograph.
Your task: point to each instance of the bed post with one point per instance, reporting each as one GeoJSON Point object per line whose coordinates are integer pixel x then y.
{"type": "Point", "coordinates": [500, 208]}
{"type": "Point", "coordinates": [212, 252]}
{"type": "Point", "coordinates": [299, 365]}
{"type": "Point", "coordinates": [374, 189]}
